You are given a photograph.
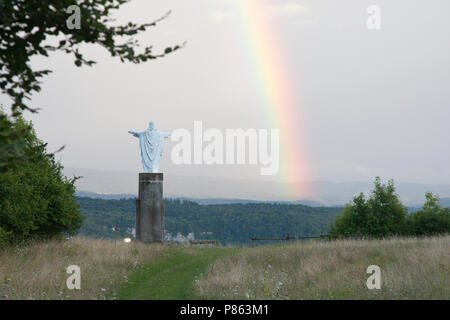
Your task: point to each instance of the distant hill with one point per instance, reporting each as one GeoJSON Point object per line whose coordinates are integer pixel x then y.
{"type": "Point", "coordinates": [205, 201]}
{"type": "Point", "coordinates": [243, 201]}
{"type": "Point", "coordinates": [229, 223]}
{"type": "Point", "coordinates": [210, 188]}
{"type": "Point", "coordinates": [445, 202]}
{"type": "Point", "coordinates": [104, 196]}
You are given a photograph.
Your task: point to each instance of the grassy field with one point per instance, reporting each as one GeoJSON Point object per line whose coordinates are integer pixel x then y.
{"type": "Point", "coordinates": [38, 270]}
{"type": "Point", "coordinates": [410, 269]}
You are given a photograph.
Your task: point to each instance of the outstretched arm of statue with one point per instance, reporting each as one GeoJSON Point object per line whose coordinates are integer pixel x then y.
{"type": "Point", "coordinates": [166, 134]}
{"type": "Point", "coordinates": [134, 133]}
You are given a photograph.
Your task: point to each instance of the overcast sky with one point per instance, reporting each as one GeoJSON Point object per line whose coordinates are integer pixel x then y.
{"type": "Point", "coordinates": [373, 102]}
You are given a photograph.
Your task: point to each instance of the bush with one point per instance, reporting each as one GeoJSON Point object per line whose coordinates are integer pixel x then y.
{"type": "Point", "coordinates": [36, 200]}
{"type": "Point", "coordinates": [379, 216]}
{"type": "Point", "coordinates": [431, 220]}
{"type": "Point", "coordinates": [4, 237]}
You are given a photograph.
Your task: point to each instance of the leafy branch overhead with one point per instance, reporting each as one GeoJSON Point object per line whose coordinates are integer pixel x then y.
{"type": "Point", "coordinates": [26, 24]}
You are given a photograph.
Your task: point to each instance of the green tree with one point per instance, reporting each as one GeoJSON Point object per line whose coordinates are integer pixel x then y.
{"type": "Point", "coordinates": [36, 199]}
{"type": "Point", "coordinates": [26, 25]}
{"type": "Point", "coordinates": [381, 215]}
{"type": "Point", "coordinates": [432, 219]}
{"type": "Point", "coordinates": [11, 141]}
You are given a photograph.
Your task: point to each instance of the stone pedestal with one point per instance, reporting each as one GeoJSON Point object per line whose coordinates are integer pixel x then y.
{"type": "Point", "coordinates": [150, 208]}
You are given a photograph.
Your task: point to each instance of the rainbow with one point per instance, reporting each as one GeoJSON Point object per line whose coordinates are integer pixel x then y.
{"type": "Point", "coordinates": [277, 94]}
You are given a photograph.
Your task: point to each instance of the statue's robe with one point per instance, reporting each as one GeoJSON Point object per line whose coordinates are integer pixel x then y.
{"type": "Point", "coordinates": [151, 143]}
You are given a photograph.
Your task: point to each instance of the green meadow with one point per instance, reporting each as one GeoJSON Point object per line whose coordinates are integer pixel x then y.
{"type": "Point", "coordinates": [411, 268]}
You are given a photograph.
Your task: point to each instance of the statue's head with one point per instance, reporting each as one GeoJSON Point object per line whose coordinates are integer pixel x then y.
{"type": "Point", "coordinates": [151, 125]}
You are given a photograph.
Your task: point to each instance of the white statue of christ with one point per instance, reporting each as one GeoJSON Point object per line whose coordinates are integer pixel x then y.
{"type": "Point", "coordinates": [151, 142]}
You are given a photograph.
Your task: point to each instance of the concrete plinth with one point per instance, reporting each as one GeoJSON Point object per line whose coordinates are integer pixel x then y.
{"type": "Point", "coordinates": [150, 208]}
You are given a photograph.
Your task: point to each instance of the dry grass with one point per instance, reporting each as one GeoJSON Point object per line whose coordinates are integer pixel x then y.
{"type": "Point", "coordinates": [410, 269]}
{"type": "Point", "coordinates": [38, 270]}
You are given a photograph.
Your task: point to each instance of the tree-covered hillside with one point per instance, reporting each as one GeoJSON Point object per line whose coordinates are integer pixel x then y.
{"type": "Point", "coordinates": [228, 223]}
